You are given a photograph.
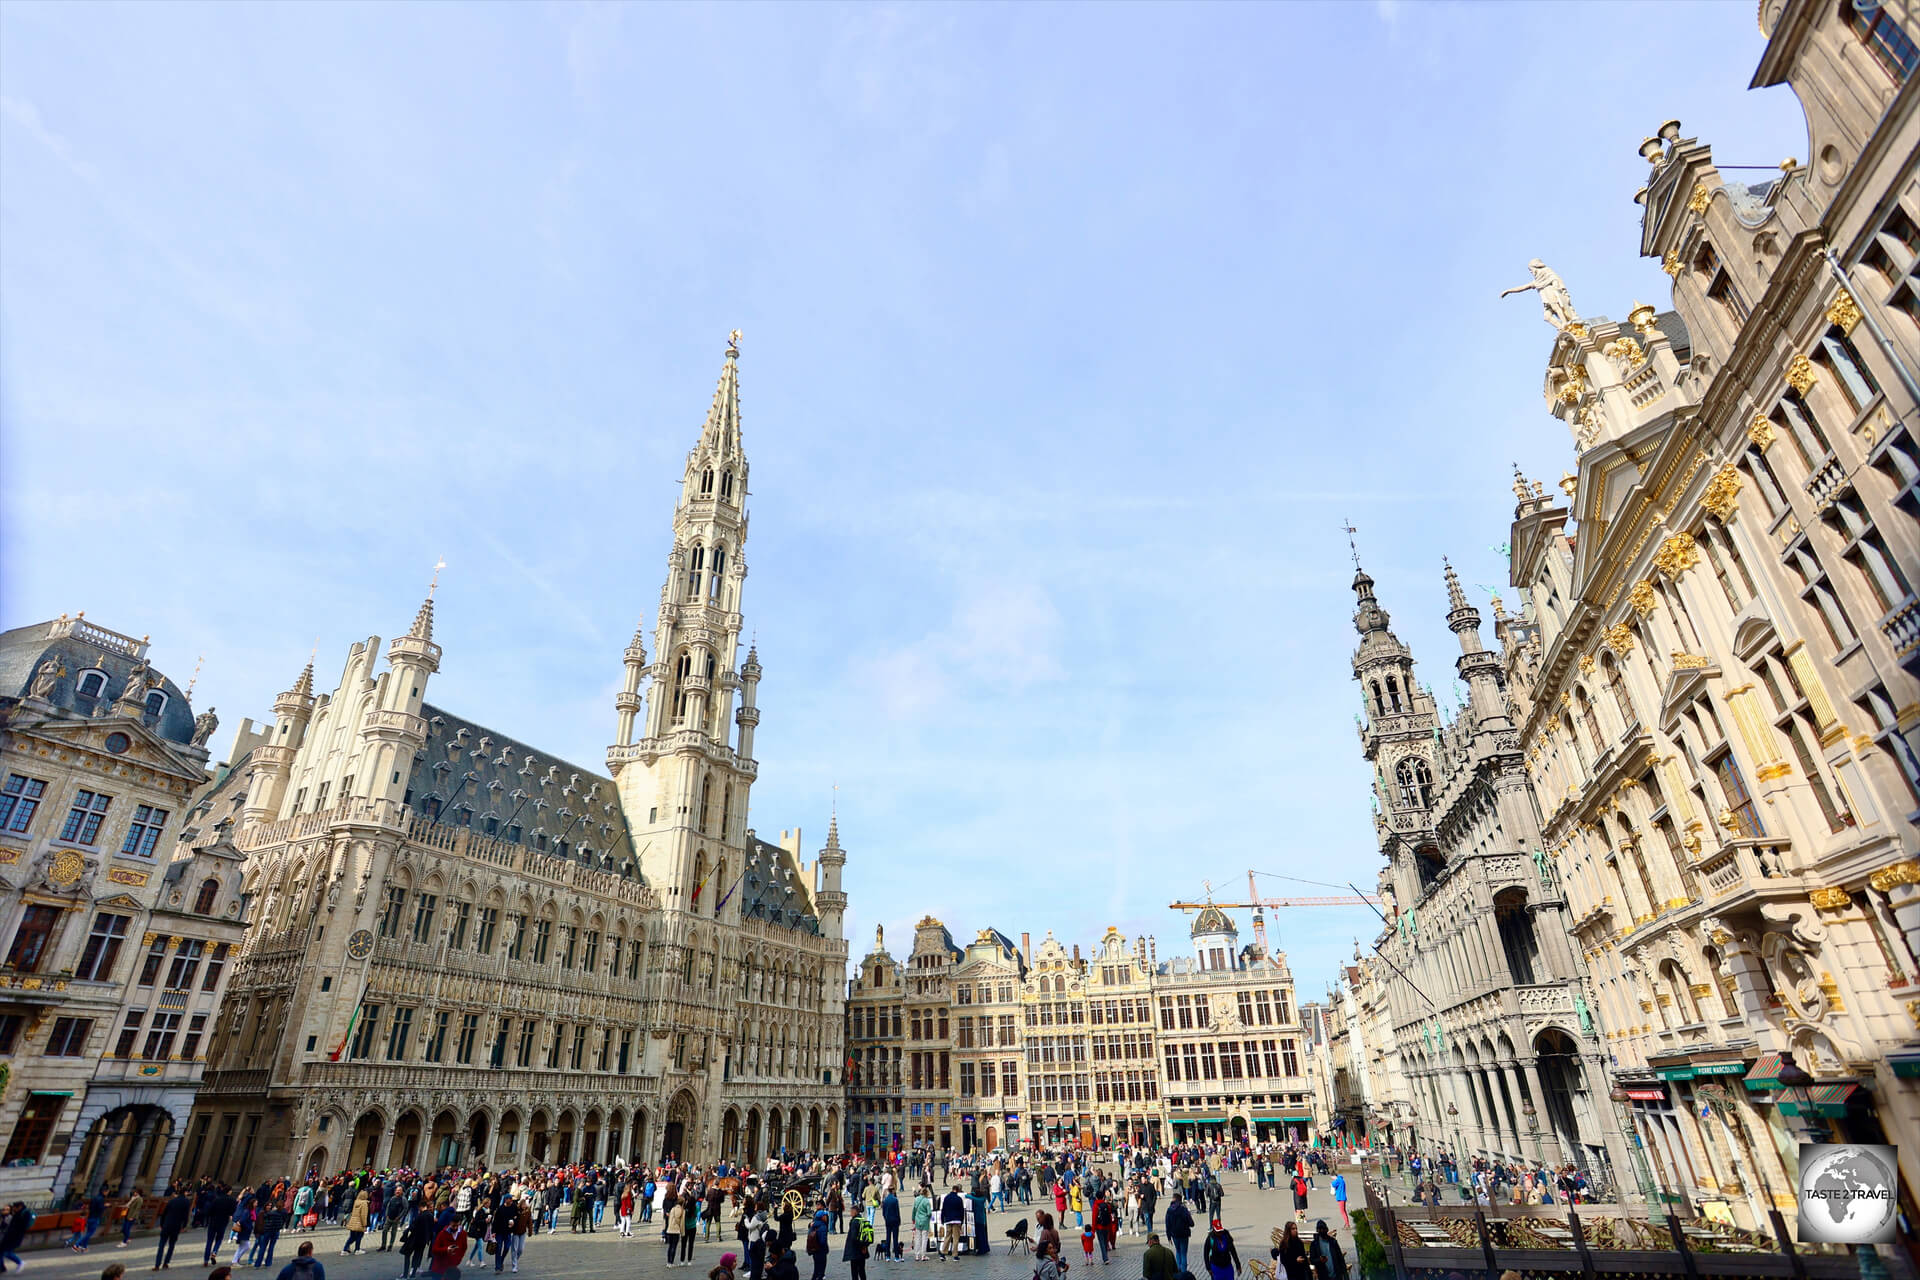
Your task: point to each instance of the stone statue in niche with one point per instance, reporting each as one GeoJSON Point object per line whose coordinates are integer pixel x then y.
{"type": "Point", "coordinates": [1555, 302]}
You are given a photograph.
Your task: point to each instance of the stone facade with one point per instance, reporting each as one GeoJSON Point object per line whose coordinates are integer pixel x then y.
{"type": "Point", "coordinates": [987, 985]}
{"type": "Point", "coordinates": [1491, 1028]}
{"type": "Point", "coordinates": [1714, 675]}
{"type": "Point", "coordinates": [1043, 1044]}
{"type": "Point", "coordinates": [469, 950]}
{"type": "Point", "coordinates": [119, 935]}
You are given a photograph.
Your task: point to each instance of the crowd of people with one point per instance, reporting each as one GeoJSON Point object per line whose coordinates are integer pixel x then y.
{"type": "Point", "coordinates": [1491, 1182]}
{"type": "Point", "coordinates": [892, 1207]}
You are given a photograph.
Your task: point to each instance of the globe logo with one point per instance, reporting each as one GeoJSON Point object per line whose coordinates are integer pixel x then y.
{"type": "Point", "coordinates": [1847, 1193]}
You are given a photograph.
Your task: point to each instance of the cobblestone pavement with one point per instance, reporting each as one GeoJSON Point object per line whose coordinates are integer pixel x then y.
{"type": "Point", "coordinates": [1247, 1213]}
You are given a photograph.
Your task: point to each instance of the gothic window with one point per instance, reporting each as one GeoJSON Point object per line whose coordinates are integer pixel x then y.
{"type": "Point", "coordinates": [706, 483]}
{"type": "Point", "coordinates": [681, 671]}
{"type": "Point", "coordinates": [726, 484]}
{"type": "Point", "coordinates": [719, 568]}
{"type": "Point", "coordinates": [1393, 694]}
{"type": "Point", "coordinates": [1416, 783]}
{"type": "Point", "coordinates": [706, 803]}
{"type": "Point", "coordinates": [1891, 46]}
{"type": "Point", "coordinates": [1379, 703]}
{"type": "Point", "coordinates": [696, 561]}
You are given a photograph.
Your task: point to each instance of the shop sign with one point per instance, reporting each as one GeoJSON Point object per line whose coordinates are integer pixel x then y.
{"type": "Point", "coordinates": [1719, 1068]}
{"type": "Point", "coordinates": [1677, 1073]}
{"type": "Point", "coordinates": [1647, 1095]}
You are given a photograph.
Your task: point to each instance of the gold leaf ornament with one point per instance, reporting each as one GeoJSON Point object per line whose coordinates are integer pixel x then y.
{"type": "Point", "coordinates": [1619, 638]}
{"type": "Point", "coordinates": [1801, 375]}
{"type": "Point", "coordinates": [1697, 202]}
{"type": "Point", "coordinates": [1844, 312]}
{"type": "Point", "coordinates": [1760, 432]}
{"type": "Point", "coordinates": [1676, 555]}
{"type": "Point", "coordinates": [1642, 597]}
{"type": "Point", "coordinates": [1722, 493]}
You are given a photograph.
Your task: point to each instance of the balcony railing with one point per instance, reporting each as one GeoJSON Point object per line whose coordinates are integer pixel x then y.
{"type": "Point", "coordinates": [1743, 866]}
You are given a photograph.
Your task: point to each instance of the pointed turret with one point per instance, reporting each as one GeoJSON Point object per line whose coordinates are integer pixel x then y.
{"type": "Point", "coordinates": [422, 628]}
{"type": "Point", "coordinates": [273, 760]}
{"type": "Point", "coordinates": [829, 899]}
{"type": "Point", "coordinates": [627, 702]}
{"type": "Point", "coordinates": [720, 435]}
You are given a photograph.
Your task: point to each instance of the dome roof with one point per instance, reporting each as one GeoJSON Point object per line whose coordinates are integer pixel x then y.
{"type": "Point", "coordinates": [1212, 920]}
{"type": "Point", "coordinates": [77, 647]}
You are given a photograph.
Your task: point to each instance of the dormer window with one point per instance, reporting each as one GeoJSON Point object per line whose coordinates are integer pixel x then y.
{"type": "Point", "coordinates": [209, 894]}
{"type": "Point", "coordinates": [91, 684]}
{"type": "Point", "coordinates": [156, 703]}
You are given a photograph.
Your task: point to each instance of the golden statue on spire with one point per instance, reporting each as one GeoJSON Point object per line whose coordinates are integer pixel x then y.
{"type": "Point", "coordinates": [733, 342]}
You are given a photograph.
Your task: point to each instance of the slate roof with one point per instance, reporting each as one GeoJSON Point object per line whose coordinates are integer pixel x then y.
{"type": "Point", "coordinates": [774, 889]}
{"type": "Point", "coordinates": [545, 784]}
{"type": "Point", "coordinates": [23, 649]}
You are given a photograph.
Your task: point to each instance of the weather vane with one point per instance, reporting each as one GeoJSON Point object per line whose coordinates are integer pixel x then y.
{"type": "Point", "coordinates": [434, 585]}
{"type": "Point", "coordinates": [733, 340]}
{"type": "Point", "coordinates": [1351, 544]}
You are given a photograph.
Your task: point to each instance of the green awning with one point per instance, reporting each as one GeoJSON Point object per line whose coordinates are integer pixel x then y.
{"type": "Point", "coordinates": [1765, 1073]}
{"type": "Point", "coordinates": [1829, 1100]}
{"type": "Point", "coordinates": [1676, 1073]}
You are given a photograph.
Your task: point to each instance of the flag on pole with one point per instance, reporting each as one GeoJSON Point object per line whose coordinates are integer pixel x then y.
{"type": "Point", "coordinates": [352, 1020]}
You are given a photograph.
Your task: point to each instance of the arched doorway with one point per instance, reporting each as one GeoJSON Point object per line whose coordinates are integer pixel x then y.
{"type": "Point", "coordinates": [406, 1141]}
{"type": "Point", "coordinates": [678, 1132]}
{"type": "Point", "coordinates": [1560, 1079]}
{"type": "Point", "coordinates": [616, 1136]}
{"type": "Point", "coordinates": [366, 1140]}
{"type": "Point", "coordinates": [563, 1139]}
{"type": "Point", "coordinates": [510, 1138]}
{"type": "Point", "coordinates": [813, 1130]}
{"type": "Point", "coordinates": [793, 1131]}
{"type": "Point", "coordinates": [538, 1141]}
{"type": "Point", "coordinates": [122, 1149]}
{"type": "Point", "coordinates": [992, 1136]}
{"type": "Point", "coordinates": [477, 1137]}
{"type": "Point", "coordinates": [832, 1133]}
{"type": "Point", "coordinates": [316, 1163]}
{"type": "Point", "coordinates": [776, 1133]}
{"type": "Point", "coordinates": [636, 1149]}
{"type": "Point", "coordinates": [730, 1135]}
{"type": "Point", "coordinates": [753, 1138]}
{"type": "Point", "coordinates": [590, 1138]}
{"type": "Point", "coordinates": [445, 1146]}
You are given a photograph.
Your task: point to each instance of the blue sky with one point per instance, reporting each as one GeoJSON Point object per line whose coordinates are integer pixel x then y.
{"type": "Point", "coordinates": [1074, 335]}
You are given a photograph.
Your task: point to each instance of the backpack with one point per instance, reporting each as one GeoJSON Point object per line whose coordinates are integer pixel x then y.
{"type": "Point", "coordinates": [863, 1231]}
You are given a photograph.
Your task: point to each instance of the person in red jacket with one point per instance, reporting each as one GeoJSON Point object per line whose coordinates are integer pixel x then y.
{"type": "Point", "coordinates": [449, 1246]}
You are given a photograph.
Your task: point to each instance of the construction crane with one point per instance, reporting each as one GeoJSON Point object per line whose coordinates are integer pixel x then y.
{"type": "Point", "coordinates": [1257, 904]}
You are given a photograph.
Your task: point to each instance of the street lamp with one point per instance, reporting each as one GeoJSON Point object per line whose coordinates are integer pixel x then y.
{"type": "Point", "coordinates": [1798, 1084]}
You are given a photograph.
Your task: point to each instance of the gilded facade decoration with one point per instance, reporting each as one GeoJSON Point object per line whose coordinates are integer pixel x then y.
{"type": "Point", "coordinates": [1676, 555]}
{"type": "Point", "coordinates": [1722, 494]}
{"type": "Point", "coordinates": [1844, 312]}
{"type": "Point", "coordinates": [119, 915]}
{"type": "Point", "coordinates": [1697, 202]}
{"type": "Point", "coordinates": [1758, 894]}
{"type": "Point", "coordinates": [1801, 374]}
{"type": "Point", "coordinates": [1642, 597]}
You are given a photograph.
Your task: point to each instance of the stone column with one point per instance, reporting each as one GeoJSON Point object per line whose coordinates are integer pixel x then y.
{"type": "Point", "coordinates": [170, 1153]}
{"type": "Point", "coordinates": [1521, 1099]}
{"type": "Point", "coordinates": [384, 1150]}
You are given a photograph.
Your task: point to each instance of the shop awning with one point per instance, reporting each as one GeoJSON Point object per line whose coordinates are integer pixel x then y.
{"type": "Point", "coordinates": [1765, 1073]}
{"type": "Point", "coordinates": [1829, 1100]}
{"type": "Point", "coordinates": [1906, 1066]}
